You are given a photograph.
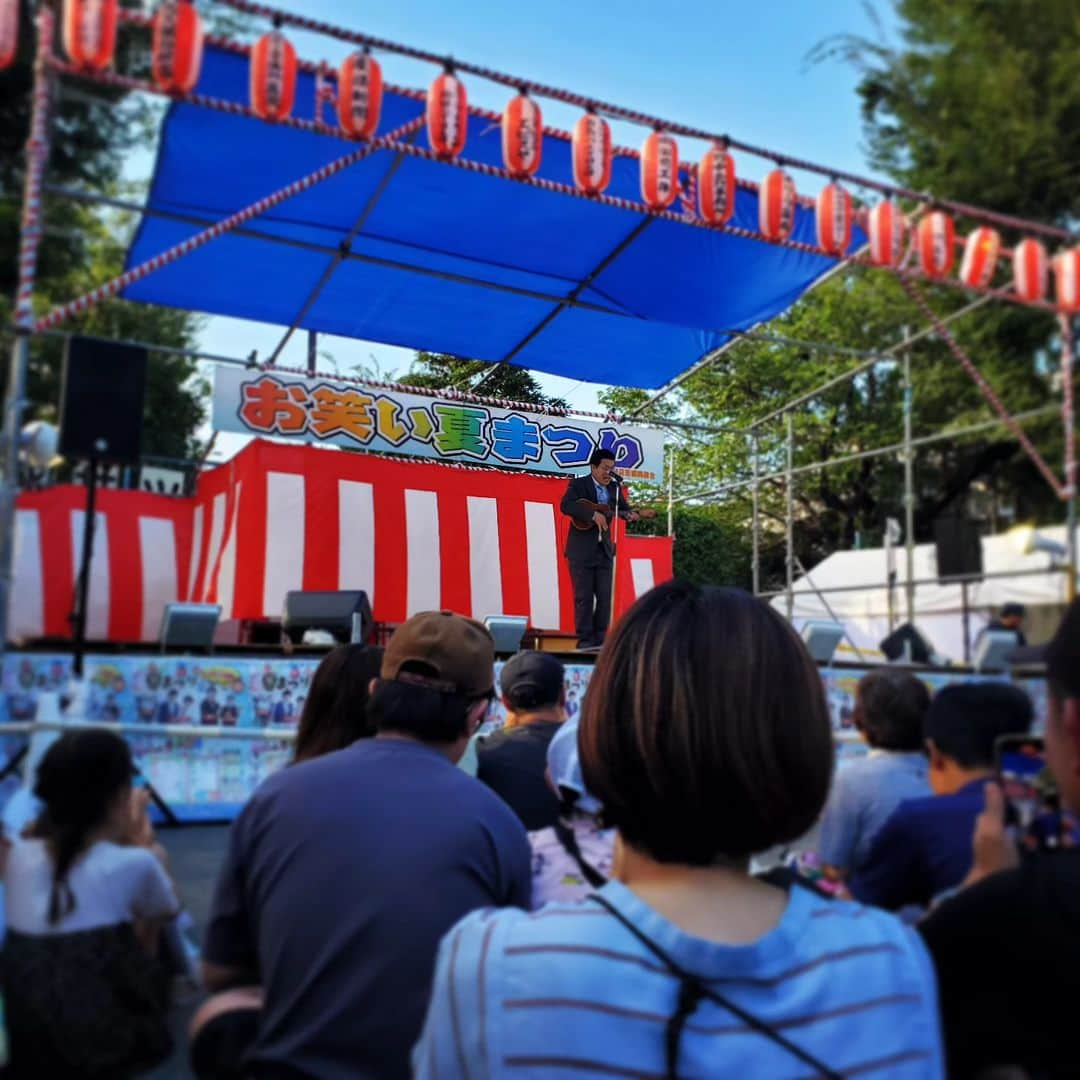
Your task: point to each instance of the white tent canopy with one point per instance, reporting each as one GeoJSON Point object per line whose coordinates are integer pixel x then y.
{"type": "Point", "coordinates": [938, 608]}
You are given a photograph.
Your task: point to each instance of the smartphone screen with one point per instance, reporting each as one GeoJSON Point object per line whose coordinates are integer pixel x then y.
{"type": "Point", "coordinates": [1034, 809]}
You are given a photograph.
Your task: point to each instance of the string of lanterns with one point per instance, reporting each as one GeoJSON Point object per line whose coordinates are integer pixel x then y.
{"type": "Point", "coordinates": [89, 40]}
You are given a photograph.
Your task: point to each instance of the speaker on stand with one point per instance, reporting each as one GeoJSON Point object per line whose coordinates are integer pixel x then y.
{"type": "Point", "coordinates": [958, 552]}
{"type": "Point", "coordinates": [101, 419]}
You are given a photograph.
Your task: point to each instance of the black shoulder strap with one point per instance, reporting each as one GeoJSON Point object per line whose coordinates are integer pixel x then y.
{"type": "Point", "coordinates": [693, 990]}
{"type": "Point", "coordinates": [570, 845]}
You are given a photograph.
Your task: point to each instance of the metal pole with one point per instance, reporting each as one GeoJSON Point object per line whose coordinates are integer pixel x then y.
{"type": "Point", "coordinates": [789, 540]}
{"type": "Point", "coordinates": [1068, 418]}
{"type": "Point", "coordinates": [756, 528]}
{"type": "Point", "coordinates": [82, 586]}
{"type": "Point", "coordinates": [671, 492]}
{"type": "Point", "coordinates": [37, 153]}
{"type": "Point", "coordinates": [312, 352]}
{"type": "Point", "coordinates": [909, 489]}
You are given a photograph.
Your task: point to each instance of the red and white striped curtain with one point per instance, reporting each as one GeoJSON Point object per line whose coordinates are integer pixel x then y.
{"type": "Point", "coordinates": [414, 536]}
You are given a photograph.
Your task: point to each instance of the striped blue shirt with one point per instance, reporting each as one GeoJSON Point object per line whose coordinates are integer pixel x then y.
{"type": "Point", "coordinates": [568, 991]}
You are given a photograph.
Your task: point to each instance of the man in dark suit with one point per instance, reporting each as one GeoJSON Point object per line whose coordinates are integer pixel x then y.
{"type": "Point", "coordinates": [586, 553]}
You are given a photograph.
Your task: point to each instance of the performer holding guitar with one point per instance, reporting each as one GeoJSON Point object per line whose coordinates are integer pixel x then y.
{"type": "Point", "coordinates": [590, 502]}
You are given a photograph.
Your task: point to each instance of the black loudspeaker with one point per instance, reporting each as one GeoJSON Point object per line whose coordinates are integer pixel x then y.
{"type": "Point", "coordinates": [958, 547]}
{"type": "Point", "coordinates": [101, 401]}
{"type": "Point", "coordinates": [330, 611]}
{"type": "Point", "coordinates": [919, 650]}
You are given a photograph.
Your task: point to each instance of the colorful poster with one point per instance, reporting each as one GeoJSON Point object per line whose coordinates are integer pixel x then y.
{"type": "Point", "coordinates": [254, 402]}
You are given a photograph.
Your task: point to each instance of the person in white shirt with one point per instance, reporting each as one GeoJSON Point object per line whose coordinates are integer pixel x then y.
{"type": "Point", "coordinates": [86, 895]}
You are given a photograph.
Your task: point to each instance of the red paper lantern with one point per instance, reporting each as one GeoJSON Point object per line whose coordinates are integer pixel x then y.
{"type": "Point", "coordinates": [981, 251]}
{"type": "Point", "coordinates": [832, 217]}
{"type": "Point", "coordinates": [447, 115]}
{"type": "Point", "coordinates": [522, 135]}
{"type": "Point", "coordinates": [1067, 279]}
{"type": "Point", "coordinates": [9, 32]}
{"type": "Point", "coordinates": [776, 206]}
{"type": "Point", "coordinates": [716, 186]}
{"type": "Point", "coordinates": [359, 95]}
{"type": "Point", "coordinates": [659, 170]}
{"type": "Point", "coordinates": [273, 76]}
{"type": "Point", "coordinates": [1029, 270]}
{"type": "Point", "coordinates": [592, 153]}
{"type": "Point", "coordinates": [176, 57]}
{"type": "Point", "coordinates": [887, 231]}
{"type": "Point", "coordinates": [90, 32]}
{"type": "Point", "coordinates": [935, 241]}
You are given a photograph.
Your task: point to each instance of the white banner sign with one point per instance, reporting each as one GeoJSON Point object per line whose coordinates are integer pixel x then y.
{"type": "Point", "coordinates": [255, 402]}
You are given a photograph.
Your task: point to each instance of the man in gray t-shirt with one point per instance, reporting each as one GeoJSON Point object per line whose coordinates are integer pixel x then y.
{"type": "Point", "coordinates": [344, 872]}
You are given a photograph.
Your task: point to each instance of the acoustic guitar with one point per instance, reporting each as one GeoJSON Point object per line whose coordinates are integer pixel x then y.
{"type": "Point", "coordinates": [608, 511]}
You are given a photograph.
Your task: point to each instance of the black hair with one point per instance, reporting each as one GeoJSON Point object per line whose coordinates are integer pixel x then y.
{"type": "Point", "coordinates": [428, 715]}
{"type": "Point", "coordinates": [892, 709]}
{"type": "Point", "coordinates": [600, 455]}
{"type": "Point", "coordinates": [78, 780]}
{"type": "Point", "coordinates": [965, 720]}
{"type": "Point", "coordinates": [335, 710]}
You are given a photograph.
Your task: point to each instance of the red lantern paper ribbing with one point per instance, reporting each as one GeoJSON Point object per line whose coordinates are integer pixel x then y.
{"type": "Point", "coordinates": [447, 115]}
{"type": "Point", "coordinates": [273, 76]}
{"type": "Point", "coordinates": [776, 206]}
{"type": "Point", "coordinates": [1029, 270]}
{"type": "Point", "coordinates": [90, 32]}
{"type": "Point", "coordinates": [176, 57]}
{"type": "Point", "coordinates": [887, 230]}
{"type": "Point", "coordinates": [716, 186]}
{"type": "Point", "coordinates": [1067, 279]}
{"type": "Point", "coordinates": [522, 136]}
{"type": "Point", "coordinates": [359, 95]}
{"type": "Point", "coordinates": [659, 171]}
{"type": "Point", "coordinates": [981, 250]}
{"type": "Point", "coordinates": [9, 32]}
{"type": "Point", "coordinates": [833, 215]}
{"type": "Point", "coordinates": [935, 240]}
{"type": "Point", "coordinates": [592, 153]}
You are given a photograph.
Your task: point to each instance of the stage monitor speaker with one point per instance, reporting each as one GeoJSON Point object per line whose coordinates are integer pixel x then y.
{"type": "Point", "coordinates": [958, 548]}
{"type": "Point", "coordinates": [330, 611]}
{"type": "Point", "coordinates": [101, 401]}
{"type": "Point", "coordinates": [507, 631]}
{"type": "Point", "coordinates": [189, 626]}
{"type": "Point", "coordinates": [905, 643]}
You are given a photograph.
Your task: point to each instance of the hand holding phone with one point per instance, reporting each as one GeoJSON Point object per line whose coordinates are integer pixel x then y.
{"type": "Point", "coordinates": [1033, 806]}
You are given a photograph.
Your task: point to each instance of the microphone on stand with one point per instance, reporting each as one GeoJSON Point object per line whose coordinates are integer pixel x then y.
{"type": "Point", "coordinates": [615, 476]}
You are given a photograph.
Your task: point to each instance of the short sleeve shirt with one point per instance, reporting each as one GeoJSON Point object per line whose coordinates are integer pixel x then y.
{"type": "Point", "coordinates": [112, 884]}
{"type": "Point", "coordinates": [513, 763]}
{"type": "Point", "coordinates": [341, 877]}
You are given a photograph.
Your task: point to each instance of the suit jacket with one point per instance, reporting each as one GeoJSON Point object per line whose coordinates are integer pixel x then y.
{"type": "Point", "coordinates": [582, 545]}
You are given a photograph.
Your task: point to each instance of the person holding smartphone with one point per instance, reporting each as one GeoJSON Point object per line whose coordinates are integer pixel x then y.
{"type": "Point", "coordinates": [1007, 945]}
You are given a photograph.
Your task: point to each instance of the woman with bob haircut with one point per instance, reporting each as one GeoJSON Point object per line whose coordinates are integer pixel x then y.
{"type": "Point", "coordinates": [705, 737]}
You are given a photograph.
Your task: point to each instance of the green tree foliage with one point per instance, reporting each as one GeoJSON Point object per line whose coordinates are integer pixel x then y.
{"type": "Point", "coordinates": [92, 131]}
{"type": "Point", "coordinates": [440, 371]}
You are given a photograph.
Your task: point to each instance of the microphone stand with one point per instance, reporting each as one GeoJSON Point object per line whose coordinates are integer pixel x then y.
{"type": "Point", "coordinates": [617, 481]}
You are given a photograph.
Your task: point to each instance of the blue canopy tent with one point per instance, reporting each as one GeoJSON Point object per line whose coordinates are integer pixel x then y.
{"type": "Point", "coordinates": [447, 259]}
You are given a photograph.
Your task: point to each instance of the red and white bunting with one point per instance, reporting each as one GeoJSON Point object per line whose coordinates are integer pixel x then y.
{"type": "Point", "coordinates": [522, 136]}
{"type": "Point", "coordinates": [177, 49]}
{"type": "Point", "coordinates": [90, 32]}
{"type": "Point", "coordinates": [935, 240]}
{"type": "Point", "coordinates": [9, 32]}
{"type": "Point", "coordinates": [359, 95]}
{"type": "Point", "coordinates": [887, 233]}
{"type": "Point", "coordinates": [659, 170]}
{"type": "Point", "coordinates": [1067, 279]}
{"type": "Point", "coordinates": [447, 115]}
{"type": "Point", "coordinates": [776, 206]}
{"type": "Point", "coordinates": [716, 186]}
{"type": "Point", "coordinates": [592, 153]}
{"type": "Point", "coordinates": [833, 217]}
{"type": "Point", "coordinates": [1029, 270]}
{"type": "Point", "coordinates": [273, 76]}
{"type": "Point", "coordinates": [981, 251]}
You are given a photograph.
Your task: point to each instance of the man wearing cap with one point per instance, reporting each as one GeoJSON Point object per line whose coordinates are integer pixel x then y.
{"type": "Point", "coordinates": [1007, 946]}
{"type": "Point", "coordinates": [1012, 619]}
{"type": "Point", "coordinates": [343, 872]}
{"type": "Point", "coordinates": [512, 762]}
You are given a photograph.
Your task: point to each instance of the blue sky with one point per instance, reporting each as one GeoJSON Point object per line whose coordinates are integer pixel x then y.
{"type": "Point", "coordinates": [735, 68]}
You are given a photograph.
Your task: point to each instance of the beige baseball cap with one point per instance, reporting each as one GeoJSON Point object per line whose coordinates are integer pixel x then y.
{"type": "Point", "coordinates": [461, 652]}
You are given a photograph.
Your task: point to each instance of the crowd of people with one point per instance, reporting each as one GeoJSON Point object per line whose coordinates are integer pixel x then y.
{"type": "Point", "coordinates": [576, 896]}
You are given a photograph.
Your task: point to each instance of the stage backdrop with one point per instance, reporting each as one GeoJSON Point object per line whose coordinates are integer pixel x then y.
{"type": "Point", "coordinates": [415, 536]}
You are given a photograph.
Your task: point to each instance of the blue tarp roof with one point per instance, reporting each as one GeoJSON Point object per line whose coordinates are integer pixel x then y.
{"type": "Point", "coordinates": [447, 259]}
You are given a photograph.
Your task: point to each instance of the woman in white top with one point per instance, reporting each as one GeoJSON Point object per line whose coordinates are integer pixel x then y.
{"type": "Point", "coordinates": [86, 894]}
